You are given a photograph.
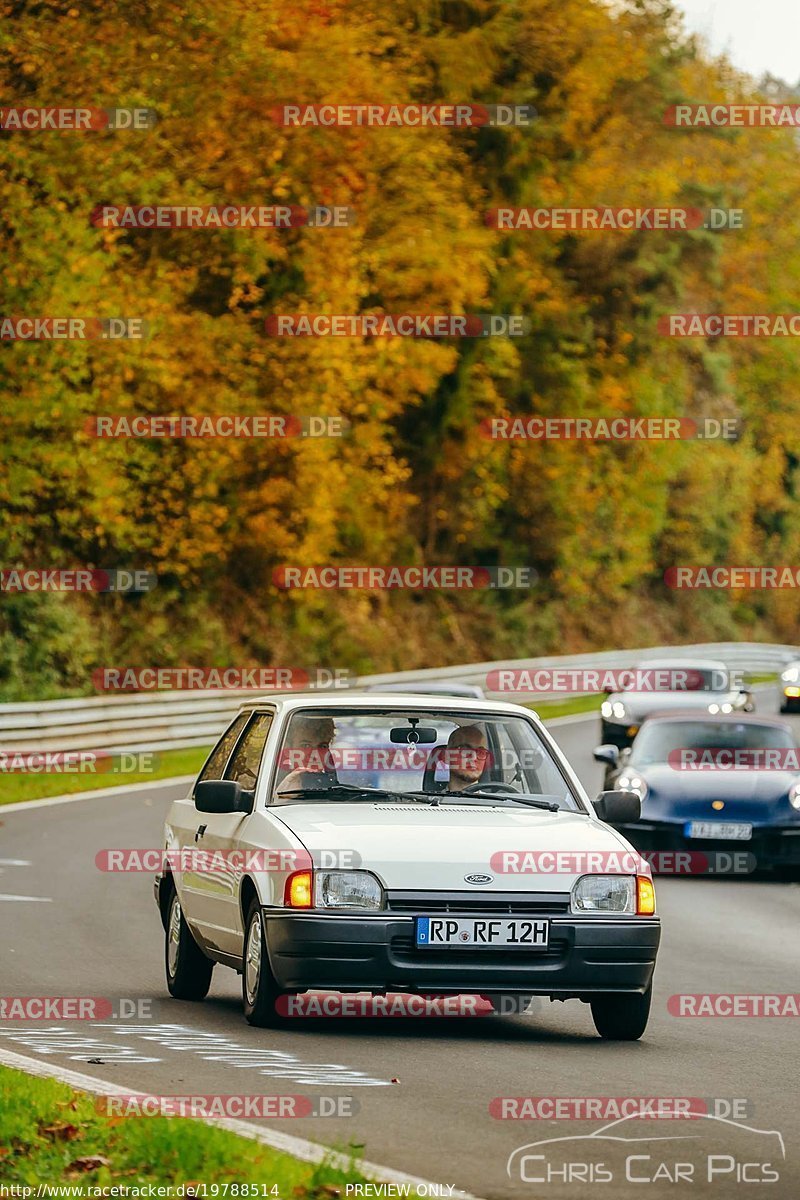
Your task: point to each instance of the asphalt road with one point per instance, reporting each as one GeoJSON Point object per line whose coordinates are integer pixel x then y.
{"type": "Point", "coordinates": [423, 1087]}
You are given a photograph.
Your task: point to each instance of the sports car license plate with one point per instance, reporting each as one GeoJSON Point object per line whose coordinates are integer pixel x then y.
{"type": "Point", "coordinates": [482, 931]}
{"type": "Point", "coordinates": [726, 830]}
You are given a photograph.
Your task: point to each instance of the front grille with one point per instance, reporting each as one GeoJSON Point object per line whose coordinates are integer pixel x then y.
{"type": "Point", "coordinates": [496, 904]}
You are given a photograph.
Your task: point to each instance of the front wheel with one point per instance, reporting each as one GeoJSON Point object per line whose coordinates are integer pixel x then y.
{"type": "Point", "coordinates": [188, 970]}
{"type": "Point", "coordinates": [260, 991]}
{"type": "Point", "coordinates": [622, 1018]}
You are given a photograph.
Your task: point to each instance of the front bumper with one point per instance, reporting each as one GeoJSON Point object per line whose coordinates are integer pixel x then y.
{"type": "Point", "coordinates": [357, 952]}
{"type": "Point", "coordinates": [769, 847]}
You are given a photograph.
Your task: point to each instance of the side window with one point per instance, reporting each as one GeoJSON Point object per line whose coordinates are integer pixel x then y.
{"type": "Point", "coordinates": [222, 751]}
{"type": "Point", "coordinates": [243, 767]}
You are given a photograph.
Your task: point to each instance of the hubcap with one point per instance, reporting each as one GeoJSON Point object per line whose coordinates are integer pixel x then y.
{"type": "Point", "coordinates": [174, 935]}
{"type": "Point", "coordinates": [252, 959]}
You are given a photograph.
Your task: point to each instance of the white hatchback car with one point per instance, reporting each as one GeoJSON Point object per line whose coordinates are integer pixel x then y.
{"type": "Point", "coordinates": [413, 844]}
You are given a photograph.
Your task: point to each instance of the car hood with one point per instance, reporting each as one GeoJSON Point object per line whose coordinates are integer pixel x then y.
{"type": "Point", "coordinates": [641, 704]}
{"type": "Point", "coordinates": [421, 846]}
{"type": "Point", "coordinates": [759, 797]}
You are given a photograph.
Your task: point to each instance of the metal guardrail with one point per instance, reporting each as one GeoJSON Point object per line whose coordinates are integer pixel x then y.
{"type": "Point", "coordinates": [175, 720]}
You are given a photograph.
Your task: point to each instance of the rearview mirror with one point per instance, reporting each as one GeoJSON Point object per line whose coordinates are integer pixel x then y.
{"type": "Point", "coordinates": [619, 808]}
{"type": "Point", "coordinates": [607, 753]}
{"type": "Point", "coordinates": [413, 737]}
{"type": "Point", "coordinates": [222, 796]}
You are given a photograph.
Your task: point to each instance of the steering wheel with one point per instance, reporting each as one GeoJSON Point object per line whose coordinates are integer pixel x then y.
{"type": "Point", "coordinates": [492, 786]}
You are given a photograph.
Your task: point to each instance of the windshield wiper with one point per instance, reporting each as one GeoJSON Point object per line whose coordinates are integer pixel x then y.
{"type": "Point", "coordinates": [515, 797]}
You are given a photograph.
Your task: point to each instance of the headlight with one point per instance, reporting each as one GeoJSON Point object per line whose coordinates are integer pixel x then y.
{"type": "Point", "coordinates": [604, 893]}
{"type": "Point", "coordinates": [632, 783]}
{"type": "Point", "coordinates": [794, 795]}
{"type": "Point", "coordinates": [348, 889]}
{"type": "Point", "coordinates": [605, 709]}
{"type": "Point", "coordinates": [619, 710]}
{"type": "Point", "coordinates": [791, 675]}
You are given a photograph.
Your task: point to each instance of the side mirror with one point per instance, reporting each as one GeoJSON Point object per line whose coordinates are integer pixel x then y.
{"type": "Point", "coordinates": [608, 754]}
{"type": "Point", "coordinates": [619, 808]}
{"type": "Point", "coordinates": [222, 796]}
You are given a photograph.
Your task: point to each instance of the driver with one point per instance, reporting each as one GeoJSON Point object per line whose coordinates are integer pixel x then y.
{"type": "Point", "coordinates": [467, 755]}
{"type": "Point", "coordinates": [313, 736]}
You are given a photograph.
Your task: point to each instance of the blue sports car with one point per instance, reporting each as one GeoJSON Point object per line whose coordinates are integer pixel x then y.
{"type": "Point", "coordinates": [713, 784]}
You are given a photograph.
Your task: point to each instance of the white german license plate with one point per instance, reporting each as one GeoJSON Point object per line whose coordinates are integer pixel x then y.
{"type": "Point", "coordinates": [482, 931]}
{"type": "Point", "coordinates": [725, 830]}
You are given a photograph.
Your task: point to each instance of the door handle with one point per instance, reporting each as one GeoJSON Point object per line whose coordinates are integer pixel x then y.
{"type": "Point", "coordinates": [200, 832]}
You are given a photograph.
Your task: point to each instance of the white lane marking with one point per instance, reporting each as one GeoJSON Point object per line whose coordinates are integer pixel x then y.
{"type": "Point", "coordinates": [306, 1151]}
{"type": "Point", "coordinates": [15, 862]}
{"type": "Point", "coordinates": [30, 899]}
{"type": "Point", "coordinates": [97, 794]}
{"type": "Point", "coordinates": [211, 1047]}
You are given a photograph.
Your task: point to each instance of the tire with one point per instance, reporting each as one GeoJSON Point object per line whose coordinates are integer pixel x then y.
{"type": "Point", "coordinates": [622, 1018]}
{"type": "Point", "coordinates": [260, 991]}
{"type": "Point", "coordinates": [188, 970]}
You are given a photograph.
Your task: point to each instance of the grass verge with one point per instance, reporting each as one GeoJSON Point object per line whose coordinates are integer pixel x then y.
{"type": "Point", "coordinates": [51, 1134]}
{"type": "Point", "coordinates": [33, 786]}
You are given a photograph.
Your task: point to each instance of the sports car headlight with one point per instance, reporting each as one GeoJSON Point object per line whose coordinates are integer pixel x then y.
{"type": "Point", "coordinates": [348, 889]}
{"type": "Point", "coordinates": [791, 675]}
{"type": "Point", "coordinates": [604, 893]}
{"type": "Point", "coordinates": [794, 795]}
{"type": "Point", "coordinates": [632, 783]}
{"type": "Point", "coordinates": [619, 711]}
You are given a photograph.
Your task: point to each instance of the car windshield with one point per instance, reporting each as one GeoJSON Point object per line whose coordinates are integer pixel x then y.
{"type": "Point", "coordinates": [660, 739]}
{"type": "Point", "coordinates": [418, 756]}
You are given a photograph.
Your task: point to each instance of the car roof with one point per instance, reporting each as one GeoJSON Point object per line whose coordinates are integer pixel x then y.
{"type": "Point", "coordinates": [696, 664]}
{"type": "Point", "coordinates": [343, 698]}
{"type": "Point", "coordinates": [426, 689]}
{"type": "Point", "coordinates": [702, 714]}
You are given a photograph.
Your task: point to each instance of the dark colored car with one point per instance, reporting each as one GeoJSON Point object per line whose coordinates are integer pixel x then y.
{"type": "Point", "coordinates": [712, 783]}
{"type": "Point", "coordinates": [674, 684]}
{"type": "Point", "coordinates": [790, 687]}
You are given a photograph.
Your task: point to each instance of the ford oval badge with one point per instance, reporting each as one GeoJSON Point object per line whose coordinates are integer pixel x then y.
{"type": "Point", "coordinates": [479, 879]}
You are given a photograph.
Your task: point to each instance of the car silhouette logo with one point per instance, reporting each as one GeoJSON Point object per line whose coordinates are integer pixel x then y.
{"type": "Point", "coordinates": [479, 879]}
